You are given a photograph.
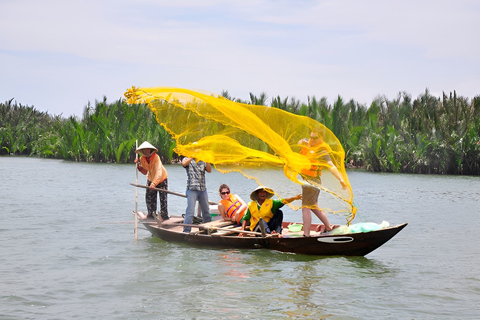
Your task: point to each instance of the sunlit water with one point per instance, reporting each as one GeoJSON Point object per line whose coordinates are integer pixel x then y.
{"type": "Point", "coordinates": [67, 251]}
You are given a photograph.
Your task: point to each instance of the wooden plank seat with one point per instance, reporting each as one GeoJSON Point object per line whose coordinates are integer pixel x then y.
{"type": "Point", "coordinates": [218, 224]}
{"type": "Point", "coordinates": [219, 233]}
{"type": "Point", "coordinates": [175, 220]}
{"type": "Point", "coordinates": [210, 227]}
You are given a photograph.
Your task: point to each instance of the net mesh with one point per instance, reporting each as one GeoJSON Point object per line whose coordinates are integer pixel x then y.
{"type": "Point", "coordinates": [266, 144]}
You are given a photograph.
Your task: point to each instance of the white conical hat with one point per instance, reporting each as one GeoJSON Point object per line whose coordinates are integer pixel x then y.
{"type": "Point", "coordinates": [269, 191]}
{"type": "Point", "coordinates": [146, 145]}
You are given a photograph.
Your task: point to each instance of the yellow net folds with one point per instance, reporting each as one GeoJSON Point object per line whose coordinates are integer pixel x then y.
{"type": "Point", "coordinates": [266, 144]}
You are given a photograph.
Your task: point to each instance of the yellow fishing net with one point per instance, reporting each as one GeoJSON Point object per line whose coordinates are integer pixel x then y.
{"type": "Point", "coordinates": [263, 143]}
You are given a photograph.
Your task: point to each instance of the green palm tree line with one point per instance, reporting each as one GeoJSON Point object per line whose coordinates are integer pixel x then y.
{"type": "Point", "coordinates": [427, 134]}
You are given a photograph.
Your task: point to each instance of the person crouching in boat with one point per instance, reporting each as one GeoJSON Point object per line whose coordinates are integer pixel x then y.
{"type": "Point", "coordinates": [151, 165]}
{"type": "Point", "coordinates": [264, 207]}
{"type": "Point", "coordinates": [231, 207]}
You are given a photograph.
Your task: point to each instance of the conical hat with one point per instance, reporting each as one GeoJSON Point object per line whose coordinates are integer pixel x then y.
{"type": "Point", "coordinates": [269, 191]}
{"type": "Point", "coordinates": [146, 145]}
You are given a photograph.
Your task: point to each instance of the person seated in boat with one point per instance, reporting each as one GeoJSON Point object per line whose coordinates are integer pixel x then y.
{"type": "Point", "coordinates": [231, 207]}
{"type": "Point", "coordinates": [314, 148]}
{"type": "Point", "coordinates": [262, 206]}
{"type": "Point", "coordinates": [150, 165]}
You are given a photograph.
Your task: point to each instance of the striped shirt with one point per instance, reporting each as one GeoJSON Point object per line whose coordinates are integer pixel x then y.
{"type": "Point", "coordinates": [196, 176]}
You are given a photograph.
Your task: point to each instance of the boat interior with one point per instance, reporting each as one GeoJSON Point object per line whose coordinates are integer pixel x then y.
{"type": "Point", "coordinates": [219, 227]}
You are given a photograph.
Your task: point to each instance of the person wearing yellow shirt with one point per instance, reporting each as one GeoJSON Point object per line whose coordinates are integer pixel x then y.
{"type": "Point", "coordinates": [262, 206]}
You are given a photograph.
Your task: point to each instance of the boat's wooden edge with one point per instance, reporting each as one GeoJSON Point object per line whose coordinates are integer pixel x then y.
{"type": "Point", "coordinates": [398, 226]}
{"type": "Point", "coordinates": [177, 221]}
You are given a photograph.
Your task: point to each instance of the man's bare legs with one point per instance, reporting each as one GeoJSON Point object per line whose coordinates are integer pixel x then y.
{"type": "Point", "coordinates": [307, 220]}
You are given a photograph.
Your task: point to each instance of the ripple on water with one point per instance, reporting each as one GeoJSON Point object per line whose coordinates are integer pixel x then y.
{"type": "Point", "coordinates": [63, 258]}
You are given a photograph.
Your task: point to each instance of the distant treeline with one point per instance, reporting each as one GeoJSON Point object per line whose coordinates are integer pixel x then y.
{"type": "Point", "coordinates": [425, 135]}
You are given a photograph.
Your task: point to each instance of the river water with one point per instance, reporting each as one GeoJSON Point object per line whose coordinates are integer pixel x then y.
{"type": "Point", "coordinates": [67, 251]}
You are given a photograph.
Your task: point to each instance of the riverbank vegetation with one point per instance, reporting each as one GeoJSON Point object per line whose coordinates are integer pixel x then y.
{"type": "Point", "coordinates": [427, 134]}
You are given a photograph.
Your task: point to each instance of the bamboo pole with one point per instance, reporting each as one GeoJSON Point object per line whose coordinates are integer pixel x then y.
{"type": "Point", "coordinates": [168, 191]}
{"type": "Point", "coordinates": [136, 191]}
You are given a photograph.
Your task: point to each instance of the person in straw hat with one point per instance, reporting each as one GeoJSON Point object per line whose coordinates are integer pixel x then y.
{"type": "Point", "coordinates": [262, 206]}
{"type": "Point", "coordinates": [151, 165]}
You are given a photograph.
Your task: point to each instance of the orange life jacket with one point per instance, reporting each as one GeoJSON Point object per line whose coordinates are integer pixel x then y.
{"type": "Point", "coordinates": [312, 153]}
{"type": "Point", "coordinates": [232, 206]}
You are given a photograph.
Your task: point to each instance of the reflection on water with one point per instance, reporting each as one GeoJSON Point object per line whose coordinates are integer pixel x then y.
{"type": "Point", "coordinates": [69, 252]}
{"type": "Point", "coordinates": [370, 266]}
{"type": "Point", "coordinates": [236, 270]}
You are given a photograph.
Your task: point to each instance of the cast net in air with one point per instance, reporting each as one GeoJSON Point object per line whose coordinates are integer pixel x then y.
{"type": "Point", "coordinates": [258, 141]}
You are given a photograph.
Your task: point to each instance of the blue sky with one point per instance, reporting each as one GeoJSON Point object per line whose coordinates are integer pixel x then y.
{"type": "Point", "coordinates": [58, 55]}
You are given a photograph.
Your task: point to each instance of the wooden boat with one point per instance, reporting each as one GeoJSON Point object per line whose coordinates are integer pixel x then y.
{"type": "Point", "coordinates": [223, 234]}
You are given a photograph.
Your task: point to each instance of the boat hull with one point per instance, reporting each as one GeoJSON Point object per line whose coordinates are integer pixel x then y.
{"type": "Point", "coordinates": [356, 244]}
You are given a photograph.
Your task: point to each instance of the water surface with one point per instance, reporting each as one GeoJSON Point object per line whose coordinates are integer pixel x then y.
{"type": "Point", "coordinates": [67, 251]}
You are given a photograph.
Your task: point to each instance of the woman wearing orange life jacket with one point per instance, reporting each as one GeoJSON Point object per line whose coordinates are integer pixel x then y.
{"type": "Point", "coordinates": [231, 207]}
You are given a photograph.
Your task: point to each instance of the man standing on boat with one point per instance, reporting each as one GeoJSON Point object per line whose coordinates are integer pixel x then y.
{"type": "Point", "coordinates": [196, 190]}
{"type": "Point", "coordinates": [314, 148]}
{"type": "Point", "coordinates": [264, 207]}
{"type": "Point", "coordinates": [151, 165]}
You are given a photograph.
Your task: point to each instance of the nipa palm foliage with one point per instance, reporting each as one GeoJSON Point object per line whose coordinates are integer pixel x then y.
{"type": "Point", "coordinates": [106, 133]}
{"type": "Point", "coordinates": [424, 135]}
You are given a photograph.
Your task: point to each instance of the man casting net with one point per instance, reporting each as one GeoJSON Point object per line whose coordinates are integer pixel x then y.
{"type": "Point", "coordinates": [257, 141]}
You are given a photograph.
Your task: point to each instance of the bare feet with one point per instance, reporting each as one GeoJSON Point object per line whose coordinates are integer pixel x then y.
{"type": "Point", "coordinates": [141, 215]}
{"type": "Point", "coordinates": [328, 230]}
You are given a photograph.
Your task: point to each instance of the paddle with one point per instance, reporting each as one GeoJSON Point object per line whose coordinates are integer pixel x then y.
{"type": "Point", "coordinates": [224, 229]}
{"type": "Point", "coordinates": [262, 228]}
{"type": "Point", "coordinates": [167, 191]}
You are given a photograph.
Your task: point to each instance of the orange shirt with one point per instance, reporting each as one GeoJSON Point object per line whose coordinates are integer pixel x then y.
{"type": "Point", "coordinates": [311, 151]}
{"type": "Point", "coordinates": [156, 172]}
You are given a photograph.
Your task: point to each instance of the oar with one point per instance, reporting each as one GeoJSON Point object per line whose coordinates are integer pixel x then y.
{"type": "Point", "coordinates": [224, 229]}
{"type": "Point", "coordinates": [167, 191]}
{"type": "Point", "coordinates": [262, 228]}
